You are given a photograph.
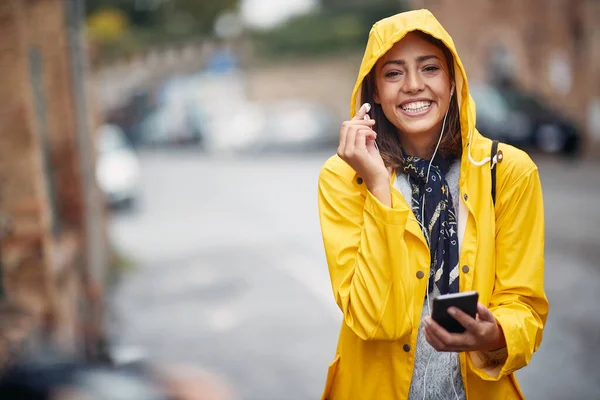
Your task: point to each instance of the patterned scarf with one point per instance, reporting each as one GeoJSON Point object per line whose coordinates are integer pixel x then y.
{"type": "Point", "coordinates": [440, 221]}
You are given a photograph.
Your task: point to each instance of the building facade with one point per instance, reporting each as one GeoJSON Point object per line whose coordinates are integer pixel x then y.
{"type": "Point", "coordinates": [551, 47]}
{"type": "Point", "coordinates": [48, 200]}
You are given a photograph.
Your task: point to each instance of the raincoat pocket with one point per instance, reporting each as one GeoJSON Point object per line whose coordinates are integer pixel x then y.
{"type": "Point", "coordinates": [331, 372]}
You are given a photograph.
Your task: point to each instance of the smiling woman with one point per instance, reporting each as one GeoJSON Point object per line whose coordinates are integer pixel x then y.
{"type": "Point", "coordinates": [407, 215]}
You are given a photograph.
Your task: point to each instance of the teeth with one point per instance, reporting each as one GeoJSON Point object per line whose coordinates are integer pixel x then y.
{"type": "Point", "coordinates": [416, 106]}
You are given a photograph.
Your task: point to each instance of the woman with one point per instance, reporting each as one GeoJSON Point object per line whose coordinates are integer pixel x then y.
{"type": "Point", "coordinates": [408, 197]}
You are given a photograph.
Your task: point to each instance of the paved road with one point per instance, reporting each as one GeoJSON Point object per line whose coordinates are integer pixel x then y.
{"type": "Point", "coordinates": [231, 275]}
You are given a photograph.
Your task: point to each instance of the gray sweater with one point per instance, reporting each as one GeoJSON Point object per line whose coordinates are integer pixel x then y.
{"type": "Point", "coordinates": [436, 373]}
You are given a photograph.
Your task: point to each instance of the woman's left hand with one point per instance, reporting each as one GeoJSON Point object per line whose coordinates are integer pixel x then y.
{"type": "Point", "coordinates": [482, 333]}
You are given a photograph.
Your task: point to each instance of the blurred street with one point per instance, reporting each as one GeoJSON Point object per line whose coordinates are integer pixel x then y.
{"type": "Point", "coordinates": [230, 274]}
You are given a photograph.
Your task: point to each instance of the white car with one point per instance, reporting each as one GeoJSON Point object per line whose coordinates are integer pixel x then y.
{"type": "Point", "coordinates": [117, 167]}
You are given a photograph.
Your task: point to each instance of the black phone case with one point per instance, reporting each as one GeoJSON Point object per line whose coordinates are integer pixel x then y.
{"type": "Point", "coordinates": [468, 304]}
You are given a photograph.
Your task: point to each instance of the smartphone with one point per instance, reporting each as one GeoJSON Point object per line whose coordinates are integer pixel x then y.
{"type": "Point", "coordinates": [465, 301]}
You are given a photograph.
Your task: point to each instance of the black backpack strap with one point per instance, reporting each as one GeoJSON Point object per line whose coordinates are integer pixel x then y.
{"type": "Point", "coordinates": [494, 164]}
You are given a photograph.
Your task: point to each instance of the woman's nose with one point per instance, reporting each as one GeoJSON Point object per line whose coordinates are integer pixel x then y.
{"type": "Point", "coordinates": [413, 83]}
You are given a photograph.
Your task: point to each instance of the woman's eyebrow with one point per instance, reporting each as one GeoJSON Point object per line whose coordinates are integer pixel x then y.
{"type": "Point", "coordinates": [418, 59]}
{"type": "Point", "coordinates": [427, 57]}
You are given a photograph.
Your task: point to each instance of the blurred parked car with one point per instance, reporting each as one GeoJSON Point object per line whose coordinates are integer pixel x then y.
{"type": "Point", "coordinates": [522, 120]}
{"type": "Point", "coordinates": [281, 126]}
{"type": "Point", "coordinates": [550, 132]}
{"type": "Point", "coordinates": [495, 119]}
{"type": "Point", "coordinates": [174, 119]}
{"type": "Point", "coordinates": [169, 125]}
{"type": "Point", "coordinates": [296, 125]}
{"type": "Point", "coordinates": [117, 167]}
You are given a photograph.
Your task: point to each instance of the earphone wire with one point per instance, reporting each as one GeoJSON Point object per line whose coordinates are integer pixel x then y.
{"type": "Point", "coordinates": [425, 377]}
{"type": "Point", "coordinates": [452, 374]}
{"type": "Point", "coordinates": [427, 180]}
{"type": "Point", "coordinates": [428, 241]}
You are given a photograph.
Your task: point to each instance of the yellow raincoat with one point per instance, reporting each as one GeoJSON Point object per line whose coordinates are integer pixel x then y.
{"type": "Point", "coordinates": [375, 252]}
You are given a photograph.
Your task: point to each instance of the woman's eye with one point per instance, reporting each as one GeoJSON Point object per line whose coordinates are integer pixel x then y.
{"type": "Point", "coordinates": [392, 74]}
{"type": "Point", "coordinates": [431, 68]}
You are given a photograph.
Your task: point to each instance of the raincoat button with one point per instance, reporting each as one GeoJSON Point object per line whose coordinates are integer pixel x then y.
{"type": "Point", "coordinates": [420, 274]}
{"type": "Point", "coordinates": [406, 348]}
{"type": "Point", "coordinates": [466, 197]}
{"type": "Point", "coordinates": [359, 181]}
{"type": "Point", "coordinates": [465, 268]}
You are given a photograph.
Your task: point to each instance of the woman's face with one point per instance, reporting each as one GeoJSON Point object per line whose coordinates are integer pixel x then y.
{"type": "Point", "coordinates": [413, 87]}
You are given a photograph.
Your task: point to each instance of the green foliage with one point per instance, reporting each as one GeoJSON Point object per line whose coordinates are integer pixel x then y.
{"type": "Point", "coordinates": [341, 25]}
{"type": "Point", "coordinates": [154, 23]}
{"type": "Point", "coordinates": [203, 13]}
{"type": "Point", "coordinates": [312, 34]}
{"type": "Point", "coordinates": [139, 12]}
{"type": "Point", "coordinates": [334, 29]}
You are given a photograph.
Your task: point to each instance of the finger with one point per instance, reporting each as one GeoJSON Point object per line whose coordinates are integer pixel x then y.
{"type": "Point", "coordinates": [351, 140]}
{"type": "Point", "coordinates": [484, 314]}
{"type": "Point", "coordinates": [364, 143]}
{"type": "Point", "coordinates": [362, 111]}
{"type": "Point", "coordinates": [347, 125]}
{"type": "Point", "coordinates": [343, 134]}
{"type": "Point", "coordinates": [433, 340]}
{"type": "Point", "coordinates": [360, 141]}
{"type": "Point", "coordinates": [464, 319]}
{"type": "Point", "coordinates": [363, 136]}
{"type": "Point", "coordinates": [372, 147]}
{"type": "Point", "coordinates": [362, 122]}
{"type": "Point", "coordinates": [447, 339]}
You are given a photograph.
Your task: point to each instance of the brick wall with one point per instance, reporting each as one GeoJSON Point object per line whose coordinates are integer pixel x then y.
{"type": "Point", "coordinates": [41, 189]}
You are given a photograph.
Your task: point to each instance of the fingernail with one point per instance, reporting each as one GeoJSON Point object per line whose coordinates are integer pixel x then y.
{"type": "Point", "coordinates": [452, 311]}
{"type": "Point", "coordinates": [367, 107]}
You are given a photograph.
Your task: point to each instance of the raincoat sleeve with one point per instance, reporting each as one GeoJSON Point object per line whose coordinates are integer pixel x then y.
{"type": "Point", "coordinates": [366, 255]}
{"type": "Point", "coordinates": [518, 301]}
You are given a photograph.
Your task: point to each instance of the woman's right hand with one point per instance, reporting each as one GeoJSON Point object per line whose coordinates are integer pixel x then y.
{"type": "Point", "coordinates": [357, 147]}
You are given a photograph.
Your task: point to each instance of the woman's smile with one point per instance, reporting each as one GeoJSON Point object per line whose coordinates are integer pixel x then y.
{"type": "Point", "coordinates": [416, 108]}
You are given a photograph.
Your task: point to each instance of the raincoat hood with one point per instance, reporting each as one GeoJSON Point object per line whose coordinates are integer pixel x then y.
{"type": "Point", "coordinates": [386, 32]}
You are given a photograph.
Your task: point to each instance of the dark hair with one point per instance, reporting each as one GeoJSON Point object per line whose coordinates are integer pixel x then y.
{"type": "Point", "coordinates": [388, 140]}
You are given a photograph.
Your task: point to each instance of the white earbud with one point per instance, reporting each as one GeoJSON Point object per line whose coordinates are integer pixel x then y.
{"type": "Point", "coordinates": [452, 90]}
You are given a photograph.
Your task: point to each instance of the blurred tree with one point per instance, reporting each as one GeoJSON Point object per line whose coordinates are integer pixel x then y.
{"type": "Point", "coordinates": [338, 5]}
{"type": "Point", "coordinates": [144, 13]}
{"type": "Point", "coordinates": [204, 13]}
{"type": "Point", "coordinates": [123, 27]}
{"type": "Point", "coordinates": [139, 12]}
{"type": "Point", "coordinates": [107, 25]}
{"type": "Point", "coordinates": [341, 25]}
